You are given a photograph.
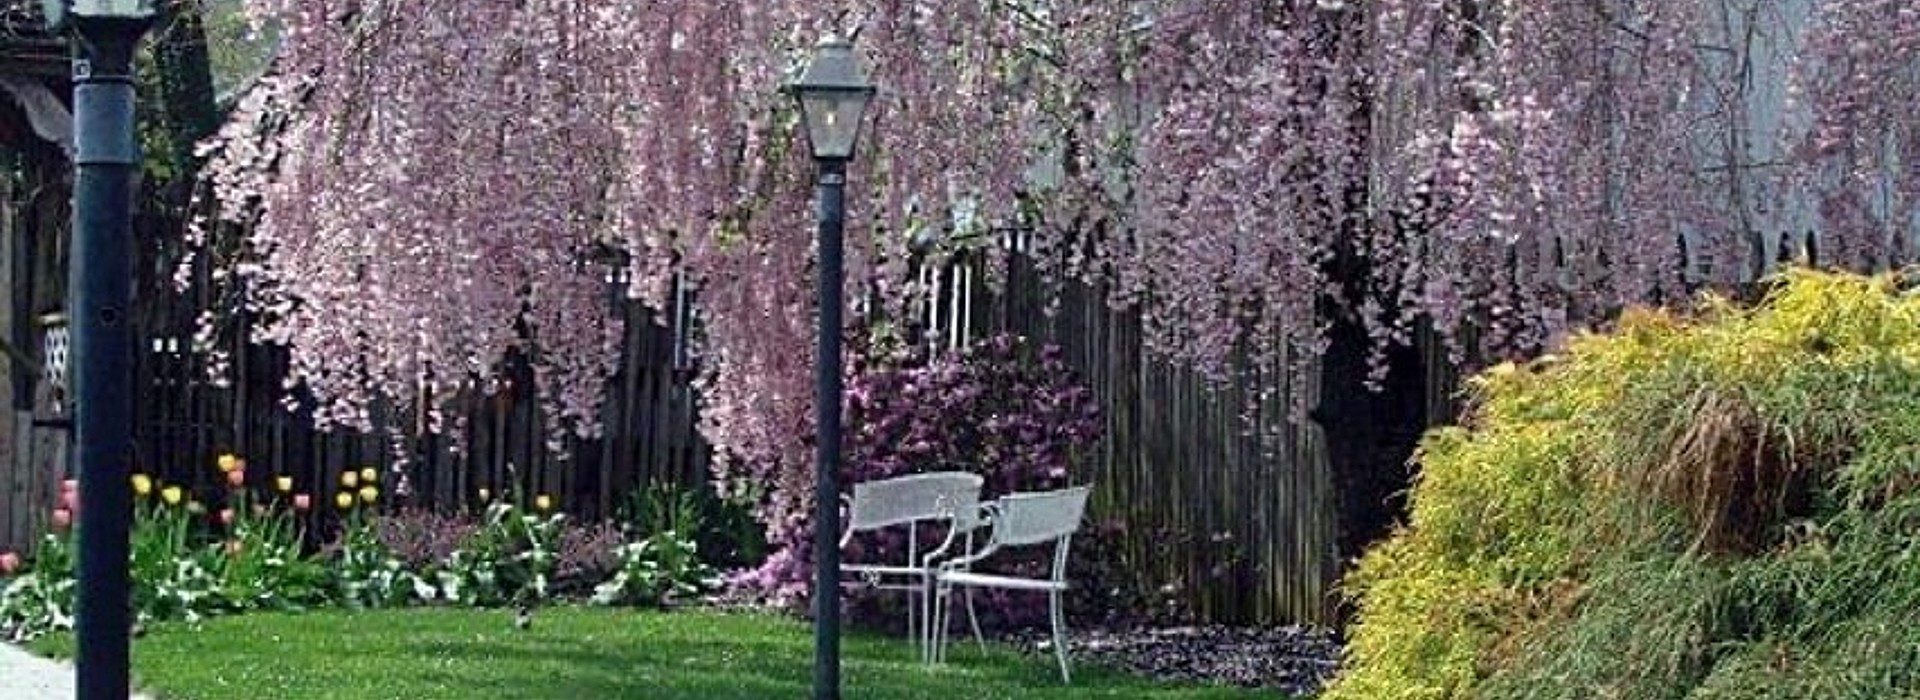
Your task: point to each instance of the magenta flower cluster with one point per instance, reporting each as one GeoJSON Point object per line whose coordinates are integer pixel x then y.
{"type": "Point", "coordinates": [1003, 408]}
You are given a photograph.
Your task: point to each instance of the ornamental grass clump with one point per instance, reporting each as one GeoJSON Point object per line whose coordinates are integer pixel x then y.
{"type": "Point", "coordinates": [1724, 503]}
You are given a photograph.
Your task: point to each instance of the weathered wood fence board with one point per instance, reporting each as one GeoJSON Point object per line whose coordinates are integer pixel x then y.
{"type": "Point", "coordinates": [33, 449]}
{"type": "Point", "coordinates": [186, 422]}
{"type": "Point", "coordinates": [1241, 526]}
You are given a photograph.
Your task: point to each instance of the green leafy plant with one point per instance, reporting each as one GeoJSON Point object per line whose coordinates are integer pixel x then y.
{"type": "Point", "coordinates": [40, 599]}
{"type": "Point", "coordinates": [511, 558]}
{"type": "Point", "coordinates": [366, 574]}
{"type": "Point", "coordinates": [261, 564]}
{"type": "Point", "coordinates": [190, 564]}
{"type": "Point", "coordinates": [175, 572]}
{"type": "Point", "coordinates": [724, 527]}
{"type": "Point", "coordinates": [659, 570]}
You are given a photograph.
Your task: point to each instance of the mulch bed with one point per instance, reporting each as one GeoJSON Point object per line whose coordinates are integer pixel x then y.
{"type": "Point", "coordinates": [1295, 661]}
{"type": "Point", "coordinates": [1292, 660]}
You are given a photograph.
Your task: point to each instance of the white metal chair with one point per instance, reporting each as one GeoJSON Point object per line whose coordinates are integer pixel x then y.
{"type": "Point", "coordinates": [949, 497]}
{"type": "Point", "coordinates": [1018, 519]}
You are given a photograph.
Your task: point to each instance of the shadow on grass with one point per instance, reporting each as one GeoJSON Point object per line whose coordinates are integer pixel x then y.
{"type": "Point", "coordinates": [730, 669]}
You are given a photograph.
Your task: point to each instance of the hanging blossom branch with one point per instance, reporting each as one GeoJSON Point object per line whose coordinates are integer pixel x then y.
{"type": "Point", "coordinates": [430, 179]}
{"type": "Point", "coordinates": [1550, 161]}
{"type": "Point", "coordinates": [428, 205]}
{"type": "Point", "coordinates": [1520, 167]}
{"type": "Point", "coordinates": [1859, 164]}
{"type": "Point", "coordinates": [430, 188]}
{"type": "Point", "coordinates": [1502, 180]}
{"type": "Point", "coordinates": [1245, 180]}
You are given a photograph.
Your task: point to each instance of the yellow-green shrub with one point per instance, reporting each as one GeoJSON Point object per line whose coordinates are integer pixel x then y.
{"type": "Point", "coordinates": [1689, 506]}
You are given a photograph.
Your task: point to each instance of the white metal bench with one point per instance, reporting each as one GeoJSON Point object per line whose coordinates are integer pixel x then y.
{"type": "Point", "coordinates": [951, 498]}
{"type": "Point", "coordinates": [1016, 520]}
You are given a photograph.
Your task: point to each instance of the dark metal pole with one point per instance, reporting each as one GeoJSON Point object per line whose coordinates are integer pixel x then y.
{"type": "Point", "coordinates": [100, 281]}
{"type": "Point", "coordinates": [826, 495]}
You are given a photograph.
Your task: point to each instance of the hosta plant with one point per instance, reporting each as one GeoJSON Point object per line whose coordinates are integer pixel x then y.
{"type": "Point", "coordinates": [660, 570]}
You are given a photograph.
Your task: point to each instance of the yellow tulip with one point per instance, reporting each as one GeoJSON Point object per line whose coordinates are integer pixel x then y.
{"type": "Point", "coordinates": [369, 494]}
{"type": "Point", "coordinates": [171, 495]}
{"type": "Point", "coordinates": [369, 475]}
{"type": "Point", "coordinates": [349, 479]}
{"type": "Point", "coordinates": [343, 500]}
{"type": "Point", "coordinates": [142, 485]}
{"type": "Point", "coordinates": [230, 462]}
{"type": "Point", "coordinates": [283, 484]}
{"type": "Point", "coordinates": [542, 503]}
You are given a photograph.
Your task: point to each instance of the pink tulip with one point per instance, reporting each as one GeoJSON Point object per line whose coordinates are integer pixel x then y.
{"type": "Point", "coordinates": [226, 516]}
{"type": "Point", "coordinates": [70, 486]}
{"type": "Point", "coordinates": [302, 501]}
{"type": "Point", "coordinates": [62, 519]}
{"type": "Point", "coordinates": [237, 478]}
{"type": "Point", "coordinates": [70, 500]}
{"type": "Point", "coordinates": [9, 563]}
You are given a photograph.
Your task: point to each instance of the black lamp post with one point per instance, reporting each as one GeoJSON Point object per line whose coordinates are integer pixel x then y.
{"type": "Point", "coordinates": [100, 288]}
{"type": "Point", "coordinates": [833, 93]}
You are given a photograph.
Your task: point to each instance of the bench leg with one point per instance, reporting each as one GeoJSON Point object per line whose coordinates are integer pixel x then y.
{"type": "Point", "coordinates": [975, 620]}
{"type": "Point", "coordinates": [1059, 634]}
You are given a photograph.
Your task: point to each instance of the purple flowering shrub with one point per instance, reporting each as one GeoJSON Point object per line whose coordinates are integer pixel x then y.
{"type": "Point", "coordinates": [420, 537]}
{"type": "Point", "coordinates": [1004, 409]}
{"type": "Point", "coordinates": [586, 552]}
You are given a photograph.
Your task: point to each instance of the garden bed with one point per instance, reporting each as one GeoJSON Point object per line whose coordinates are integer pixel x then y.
{"type": "Point", "coordinates": [1292, 660]}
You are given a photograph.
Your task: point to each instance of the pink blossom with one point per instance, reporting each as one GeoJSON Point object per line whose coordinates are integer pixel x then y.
{"type": "Point", "coordinates": [428, 188]}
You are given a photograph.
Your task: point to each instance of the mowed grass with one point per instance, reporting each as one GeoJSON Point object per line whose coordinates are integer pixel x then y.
{"type": "Point", "coordinates": [577, 654]}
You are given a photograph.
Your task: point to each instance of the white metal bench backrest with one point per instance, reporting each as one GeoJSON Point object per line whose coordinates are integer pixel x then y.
{"type": "Point", "coordinates": [910, 499]}
{"type": "Point", "coordinates": [1033, 518]}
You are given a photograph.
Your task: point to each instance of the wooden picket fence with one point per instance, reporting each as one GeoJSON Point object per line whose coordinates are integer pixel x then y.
{"type": "Point", "coordinates": [185, 422]}
{"type": "Point", "coordinates": [1230, 513]}
{"type": "Point", "coordinates": [501, 447]}
{"type": "Point", "coordinates": [1237, 526]}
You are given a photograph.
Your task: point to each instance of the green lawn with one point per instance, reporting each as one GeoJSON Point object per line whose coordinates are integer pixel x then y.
{"type": "Point", "coordinates": [577, 654]}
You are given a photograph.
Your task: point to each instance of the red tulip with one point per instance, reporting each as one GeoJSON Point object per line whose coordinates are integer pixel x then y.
{"type": "Point", "coordinates": [237, 478]}
{"type": "Point", "coordinates": [9, 563]}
